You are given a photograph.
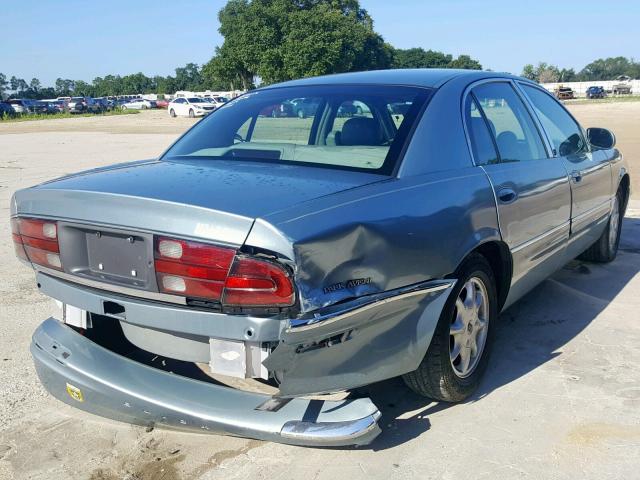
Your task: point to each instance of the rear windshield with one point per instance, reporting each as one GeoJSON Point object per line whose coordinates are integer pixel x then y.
{"type": "Point", "coordinates": [347, 127]}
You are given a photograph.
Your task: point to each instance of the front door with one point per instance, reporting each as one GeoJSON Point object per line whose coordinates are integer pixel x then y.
{"type": "Point", "coordinates": [589, 170]}
{"type": "Point", "coordinates": [532, 190]}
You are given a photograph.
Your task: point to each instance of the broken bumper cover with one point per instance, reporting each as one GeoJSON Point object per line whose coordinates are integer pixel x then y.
{"type": "Point", "coordinates": [87, 376]}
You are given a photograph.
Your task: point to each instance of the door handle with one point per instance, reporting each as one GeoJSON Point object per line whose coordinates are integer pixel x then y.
{"type": "Point", "coordinates": [576, 176]}
{"type": "Point", "coordinates": [507, 195]}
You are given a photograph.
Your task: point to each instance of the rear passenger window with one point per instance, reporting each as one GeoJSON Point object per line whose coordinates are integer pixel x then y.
{"type": "Point", "coordinates": [564, 132]}
{"type": "Point", "coordinates": [515, 133]}
{"type": "Point", "coordinates": [484, 151]}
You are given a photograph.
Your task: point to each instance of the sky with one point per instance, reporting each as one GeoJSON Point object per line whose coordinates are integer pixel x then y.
{"type": "Point", "coordinates": [82, 40]}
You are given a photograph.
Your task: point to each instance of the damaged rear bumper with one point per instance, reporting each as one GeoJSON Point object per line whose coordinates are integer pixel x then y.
{"type": "Point", "coordinates": [87, 376]}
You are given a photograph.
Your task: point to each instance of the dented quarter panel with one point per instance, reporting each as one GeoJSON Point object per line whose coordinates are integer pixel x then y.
{"type": "Point", "coordinates": [385, 235]}
{"type": "Point", "coordinates": [370, 344]}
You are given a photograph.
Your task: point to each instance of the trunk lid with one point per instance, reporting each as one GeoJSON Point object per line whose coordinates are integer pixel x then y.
{"type": "Point", "coordinates": [213, 200]}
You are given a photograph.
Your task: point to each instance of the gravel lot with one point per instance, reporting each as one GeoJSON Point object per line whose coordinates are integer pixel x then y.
{"type": "Point", "coordinates": [561, 398]}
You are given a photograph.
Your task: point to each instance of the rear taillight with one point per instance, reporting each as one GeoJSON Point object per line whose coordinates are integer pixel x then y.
{"type": "Point", "coordinates": [254, 282]}
{"type": "Point", "coordinates": [201, 271]}
{"type": "Point", "coordinates": [36, 241]}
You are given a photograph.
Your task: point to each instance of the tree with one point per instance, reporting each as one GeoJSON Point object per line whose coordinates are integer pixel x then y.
{"type": "Point", "coordinates": [529, 72]}
{"type": "Point", "coordinates": [35, 85]}
{"type": "Point", "coordinates": [420, 58]}
{"type": "Point", "coordinates": [278, 40]}
{"type": "Point", "coordinates": [64, 87]}
{"type": "Point", "coordinates": [610, 68]}
{"type": "Point", "coordinates": [466, 62]}
{"type": "Point", "coordinates": [188, 77]}
{"type": "Point", "coordinates": [3, 85]}
{"type": "Point", "coordinates": [543, 73]}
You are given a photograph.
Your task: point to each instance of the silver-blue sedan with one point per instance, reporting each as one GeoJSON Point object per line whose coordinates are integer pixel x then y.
{"type": "Point", "coordinates": [294, 256]}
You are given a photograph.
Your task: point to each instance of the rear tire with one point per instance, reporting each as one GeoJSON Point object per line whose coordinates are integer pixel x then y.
{"type": "Point", "coordinates": [450, 372]}
{"type": "Point", "coordinates": [191, 113]}
{"type": "Point", "coordinates": [172, 113]}
{"type": "Point", "coordinates": [605, 249]}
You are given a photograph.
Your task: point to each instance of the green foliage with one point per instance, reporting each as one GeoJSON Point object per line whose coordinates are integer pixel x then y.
{"type": "Point", "coordinates": [277, 40]}
{"type": "Point", "coordinates": [610, 68]}
{"type": "Point", "coordinates": [420, 58]}
{"type": "Point", "coordinates": [601, 69]}
{"type": "Point", "coordinates": [189, 77]}
{"type": "Point", "coordinates": [3, 85]}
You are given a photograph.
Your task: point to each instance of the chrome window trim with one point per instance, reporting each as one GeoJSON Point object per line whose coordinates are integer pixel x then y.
{"type": "Point", "coordinates": [541, 132]}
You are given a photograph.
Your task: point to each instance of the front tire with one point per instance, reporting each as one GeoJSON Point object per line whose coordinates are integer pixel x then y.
{"type": "Point", "coordinates": [172, 113]}
{"type": "Point", "coordinates": [191, 113]}
{"type": "Point", "coordinates": [605, 249]}
{"type": "Point", "coordinates": [459, 351]}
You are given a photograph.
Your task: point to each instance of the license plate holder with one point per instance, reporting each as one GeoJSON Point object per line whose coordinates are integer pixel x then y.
{"type": "Point", "coordinates": [124, 256]}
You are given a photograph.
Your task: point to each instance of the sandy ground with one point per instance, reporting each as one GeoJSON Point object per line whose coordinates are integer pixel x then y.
{"type": "Point", "coordinates": [561, 399]}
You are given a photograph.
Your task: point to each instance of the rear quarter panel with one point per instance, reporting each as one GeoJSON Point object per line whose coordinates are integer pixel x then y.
{"type": "Point", "coordinates": [382, 236]}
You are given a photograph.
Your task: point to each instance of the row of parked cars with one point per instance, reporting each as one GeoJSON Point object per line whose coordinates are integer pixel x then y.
{"type": "Point", "coordinates": [25, 106]}
{"type": "Point", "coordinates": [596, 91]}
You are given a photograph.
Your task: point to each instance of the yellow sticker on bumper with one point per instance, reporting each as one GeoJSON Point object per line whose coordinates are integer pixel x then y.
{"type": "Point", "coordinates": [75, 393]}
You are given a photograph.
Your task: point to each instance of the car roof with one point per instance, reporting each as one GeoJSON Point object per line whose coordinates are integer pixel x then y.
{"type": "Point", "coordinates": [420, 77]}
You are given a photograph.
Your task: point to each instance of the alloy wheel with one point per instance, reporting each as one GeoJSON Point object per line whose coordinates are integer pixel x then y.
{"type": "Point", "coordinates": [469, 327]}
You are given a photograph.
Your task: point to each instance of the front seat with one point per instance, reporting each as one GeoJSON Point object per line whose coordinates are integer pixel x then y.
{"type": "Point", "coordinates": [360, 131]}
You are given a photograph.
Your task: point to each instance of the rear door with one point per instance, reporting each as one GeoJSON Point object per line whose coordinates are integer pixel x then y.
{"type": "Point", "coordinates": [589, 170]}
{"type": "Point", "coordinates": [532, 190]}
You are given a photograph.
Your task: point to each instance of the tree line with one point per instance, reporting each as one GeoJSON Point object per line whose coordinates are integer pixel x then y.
{"type": "Point", "coordinates": [601, 69]}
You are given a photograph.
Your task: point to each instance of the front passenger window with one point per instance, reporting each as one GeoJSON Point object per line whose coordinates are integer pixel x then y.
{"type": "Point", "coordinates": [564, 132]}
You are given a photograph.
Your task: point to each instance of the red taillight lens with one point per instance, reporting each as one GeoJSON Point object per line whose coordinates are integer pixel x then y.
{"type": "Point", "coordinates": [201, 271]}
{"type": "Point", "coordinates": [254, 282]}
{"type": "Point", "coordinates": [191, 269]}
{"type": "Point", "coordinates": [36, 241]}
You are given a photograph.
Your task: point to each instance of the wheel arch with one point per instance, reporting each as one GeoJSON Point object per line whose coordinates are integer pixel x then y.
{"type": "Point", "coordinates": [625, 186]}
{"type": "Point", "coordinates": [499, 257]}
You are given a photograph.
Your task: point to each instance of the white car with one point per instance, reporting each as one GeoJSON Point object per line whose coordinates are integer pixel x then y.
{"type": "Point", "coordinates": [190, 107]}
{"type": "Point", "coordinates": [216, 101]}
{"type": "Point", "coordinates": [138, 104]}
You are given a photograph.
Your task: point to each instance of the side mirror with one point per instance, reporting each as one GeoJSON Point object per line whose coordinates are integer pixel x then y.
{"type": "Point", "coordinates": [601, 138]}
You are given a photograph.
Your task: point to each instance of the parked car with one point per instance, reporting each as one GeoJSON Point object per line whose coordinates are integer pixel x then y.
{"type": "Point", "coordinates": [623, 87]}
{"type": "Point", "coordinates": [304, 107]}
{"type": "Point", "coordinates": [80, 105]}
{"type": "Point", "coordinates": [43, 107]}
{"type": "Point", "coordinates": [216, 101]}
{"type": "Point", "coordinates": [103, 104]}
{"type": "Point", "coordinates": [596, 92]}
{"type": "Point", "coordinates": [190, 107]}
{"type": "Point", "coordinates": [314, 257]}
{"type": "Point", "coordinates": [279, 110]}
{"type": "Point", "coordinates": [57, 106]}
{"type": "Point", "coordinates": [138, 104]}
{"type": "Point", "coordinates": [564, 93]}
{"type": "Point", "coordinates": [162, 103]}
{"type": "Point", "coordinates": [19, 105]}
{"type": "Point", "coordinates": [6, 110]}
